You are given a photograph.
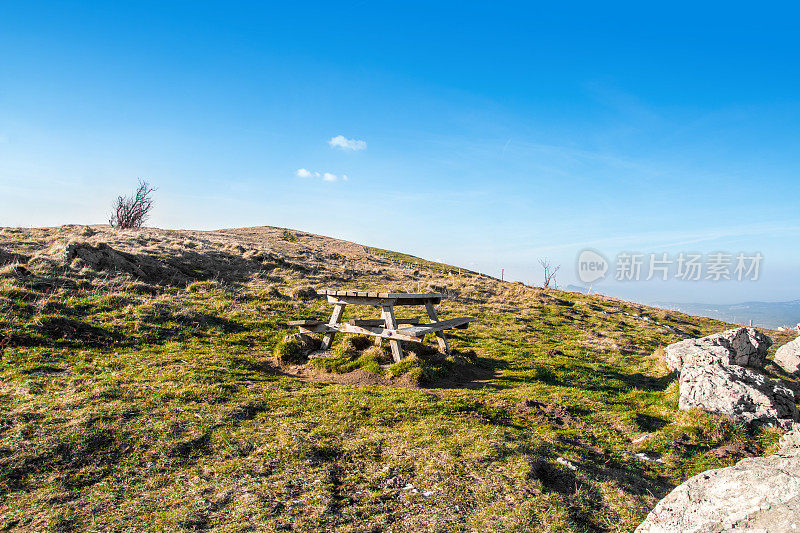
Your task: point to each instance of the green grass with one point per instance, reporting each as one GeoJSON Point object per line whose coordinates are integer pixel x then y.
{"type": "Point", "coordinates": [158, 408]}
{"type": "Point", "coordinates": [288, 236]}
{"type": "Point", "coordinates": [414, 260]}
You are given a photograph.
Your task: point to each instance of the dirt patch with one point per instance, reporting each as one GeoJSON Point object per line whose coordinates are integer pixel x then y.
{"type": "Point", "coordinates": [733, 449]}
{"type": "Point", "coordinates": [463, 376]}
{"type": "Point", "coordinates": [356, 378]}
{"type": "Point", "coordinates": [558, 416]}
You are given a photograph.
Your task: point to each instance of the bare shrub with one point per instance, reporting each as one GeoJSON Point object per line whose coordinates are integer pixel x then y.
{"type": "Point", "coordinates": [132, 211]}
{"type": "Point", "coordinates": [549, 272]}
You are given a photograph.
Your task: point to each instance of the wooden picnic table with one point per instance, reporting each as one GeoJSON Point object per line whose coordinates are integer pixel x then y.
{"type": "Point", "coordinates": [386, 327]}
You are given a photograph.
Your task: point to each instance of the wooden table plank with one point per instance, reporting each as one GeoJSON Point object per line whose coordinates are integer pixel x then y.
{"type": "Point", "coordinates": [306, 322]}
{"type": "Point", "coordinates": [391, 323]}
{"type": "Point", "coordinates": [433, 327]}
{"type": "Point", "coordinates": [444, 347]}
{"type": "Point", "coordinates": [376, 331]}
{"type": "Point", "coordinates": [393, 295]}
{"type": "Point", "coordinates": [380, 321]}
{"type": "Point", "coordinates": [336, 317]}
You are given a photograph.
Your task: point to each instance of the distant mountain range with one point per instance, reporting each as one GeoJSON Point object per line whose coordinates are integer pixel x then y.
{"type": "Point", "coordinates": [766, 314]}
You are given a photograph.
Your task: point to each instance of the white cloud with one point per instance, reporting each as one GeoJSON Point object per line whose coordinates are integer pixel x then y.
{"type": "Point", "coordinates": [340, 141]}
{"type": "Point", "coordinates": [325, 176]}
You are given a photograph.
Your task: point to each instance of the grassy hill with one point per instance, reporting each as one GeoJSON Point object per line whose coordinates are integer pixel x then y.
{"type": "Point", "coordinates": [140, 393]}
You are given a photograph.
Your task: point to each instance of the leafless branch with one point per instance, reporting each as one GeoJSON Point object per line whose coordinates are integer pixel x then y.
{"type": "Point", "coordinates": [132, 212]}
{"type": "Point", "coordinates": [549, 272]}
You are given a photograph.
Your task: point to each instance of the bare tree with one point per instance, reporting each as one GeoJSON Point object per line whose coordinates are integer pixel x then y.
{"type": "Point", "coordinates": [132, 211]}
{"type": "Point", "coordinates": [549, 272]}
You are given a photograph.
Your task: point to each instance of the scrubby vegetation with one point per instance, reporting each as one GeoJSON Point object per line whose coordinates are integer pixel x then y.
{"type": "Point", "coordinates": [149, 397]}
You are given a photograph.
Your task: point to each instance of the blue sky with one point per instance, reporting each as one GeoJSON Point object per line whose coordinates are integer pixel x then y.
{"type": "Point", "coordinates": [494, 133]}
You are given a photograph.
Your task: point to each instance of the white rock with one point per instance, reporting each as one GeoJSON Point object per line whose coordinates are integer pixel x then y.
{"type": "Point", "coordinates": [647, 456]}
{"type": "Point", "coordinates": [756, 494]}
{"type": "Point", "coordinates": [566, 463]}
{"type": "Point", "coordinates": [739, 392]}
{"type": "Point", "coordinates": [739, 346]}
{"type": "Point", "coordinates": [788, 357]}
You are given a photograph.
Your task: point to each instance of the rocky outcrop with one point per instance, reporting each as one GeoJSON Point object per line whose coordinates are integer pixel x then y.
{"type": "Point", "coordinates": [756, 494]}
{"type": "Point", "coordinates": [739, 346]}
{"type": "Point", "coordinates": [739, 392]}
{"type": "Point", "coordinates": [714, 377]}
{"type": "Point", "coordinates": [788, 357]}
{"type": "Point", "coordinates": [102, 257]}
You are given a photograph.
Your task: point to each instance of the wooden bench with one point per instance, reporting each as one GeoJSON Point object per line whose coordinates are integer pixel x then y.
{"type": "Point", "coordinates": [386, 327]}
{"type": "Point", "coordinates": [433, 327]}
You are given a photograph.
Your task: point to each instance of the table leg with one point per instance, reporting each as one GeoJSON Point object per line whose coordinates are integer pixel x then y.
{"type": "Point", "coordinates": [443, 346]}
{"type": "Point", "coordinates": [336, 317]}
{"type": "Point", "coordinates": [391, 323]}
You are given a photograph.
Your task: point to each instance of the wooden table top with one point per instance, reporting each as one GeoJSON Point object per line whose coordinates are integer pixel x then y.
{"type": "Point", "coordinates": [391, 295]}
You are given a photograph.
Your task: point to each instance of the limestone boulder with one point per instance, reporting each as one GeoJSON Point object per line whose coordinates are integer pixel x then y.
{"type": "Point", "coordinates": [788, 357]}
{"type": "Point", "coordinates": [756, 494]}
{"type": "Point", "coordinates": [738, 346]}
{"type": "Point", "coordinates": [744, 394]}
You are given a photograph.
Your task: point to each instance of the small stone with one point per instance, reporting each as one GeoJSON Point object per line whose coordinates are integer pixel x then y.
{"type": "Point", "coordinates": [650, 457]}
{"type": "Point", "coordinates": [566, 463]}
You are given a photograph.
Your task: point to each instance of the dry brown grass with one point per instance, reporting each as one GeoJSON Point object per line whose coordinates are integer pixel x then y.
{"type": "Point", "coordinates": [152, 401]}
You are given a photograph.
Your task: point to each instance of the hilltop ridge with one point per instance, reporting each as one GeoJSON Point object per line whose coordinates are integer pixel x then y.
{"type": "Point", "coordinates": [140, 391]}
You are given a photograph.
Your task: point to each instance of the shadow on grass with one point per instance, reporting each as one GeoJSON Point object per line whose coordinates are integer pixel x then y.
{"type": "Point", "coordinates": [650, 424]}
{"type": "Point", "coordinates": [481, 373]}
{"type": "Point", "coordinates": [599, 380]}
{"type": "Point", "coordinates": [181, 267]}
{"type": "Point", "coordinates": [579, 481]}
